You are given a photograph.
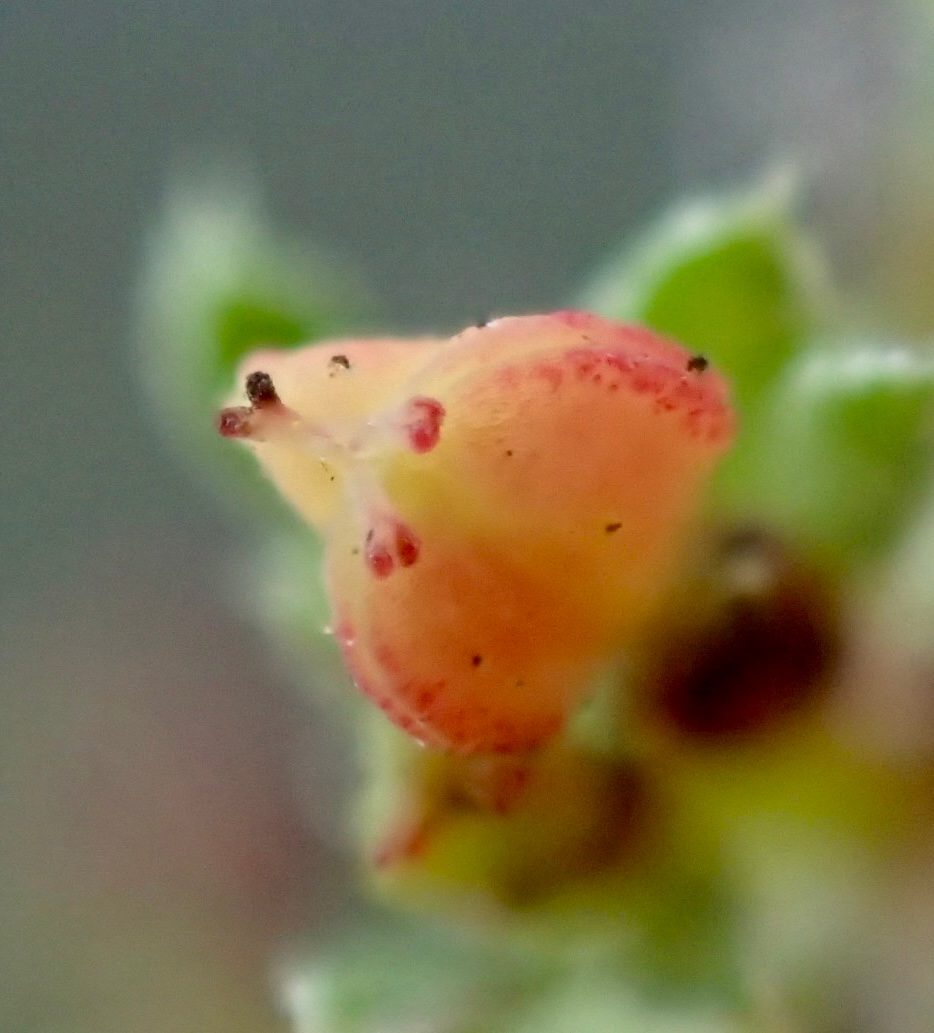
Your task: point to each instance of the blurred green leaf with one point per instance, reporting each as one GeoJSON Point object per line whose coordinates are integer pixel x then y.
{"type": "Point", "coordinates": [288, 600]}
{"type": "Point", "coordinates": [593, 1003]}
{"type": "Point", "coordinates": [843, 454]}
{"type": "Point", "coordinates": [216, 283]}
{"type": "Point", "coordinates": [404, 974]}
{"type": "Point", "coordinates": [732, 278]}
{"type": "Point", "coordinates": [905, 601]}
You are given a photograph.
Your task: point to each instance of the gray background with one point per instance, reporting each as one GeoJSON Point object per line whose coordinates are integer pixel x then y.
{"type": "Point", "coordinates": [470, 158]}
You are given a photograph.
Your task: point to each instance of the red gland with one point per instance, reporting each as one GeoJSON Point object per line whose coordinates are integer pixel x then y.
{"type": "Point", "coordinates": [378, 557]}
{"type": "Point", "coordinates": [421, 421]}
{"type": "Point", "coordinates": [389, 543]}
{"type": "Point", "coordinates": [234, 422]}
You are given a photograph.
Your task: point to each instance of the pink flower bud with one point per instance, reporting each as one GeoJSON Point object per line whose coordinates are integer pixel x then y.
{"type": "Point", "coordinates": [502, 511]}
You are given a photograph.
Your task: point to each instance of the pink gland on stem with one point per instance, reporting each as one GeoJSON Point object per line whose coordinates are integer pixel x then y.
{"type": "Point", "coordinates": [421, 418]}
{"type": "Point", "coordinates": [390, 543]}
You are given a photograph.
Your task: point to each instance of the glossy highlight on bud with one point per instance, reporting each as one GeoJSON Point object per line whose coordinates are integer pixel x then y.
{"type": "Point", "coordinates": [502, 511]}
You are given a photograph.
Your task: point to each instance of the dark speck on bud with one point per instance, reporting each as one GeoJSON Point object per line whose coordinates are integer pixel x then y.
{"type": "Point", "coordinates": [339, 362]}
{"type": "Point", "coordinates": [260, 390]}
{"type": "Point", "coordinates": [697, 363]}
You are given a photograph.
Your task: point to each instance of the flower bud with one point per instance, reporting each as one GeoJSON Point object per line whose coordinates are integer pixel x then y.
{"type": "Point", "coordinates": [502, 511]}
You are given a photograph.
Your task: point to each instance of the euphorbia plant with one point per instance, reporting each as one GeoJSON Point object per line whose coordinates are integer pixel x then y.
{"type": "Point", "coordinates": [602, 572]}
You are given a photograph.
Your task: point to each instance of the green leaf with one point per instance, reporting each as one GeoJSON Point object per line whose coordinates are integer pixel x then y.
{"type": "Point", "coordinates": [731, 278]}
{"type": "Point", "coordinates": [843, 454]}
{"type": "Point", "coordinates": [594, 1003]}
{"type": "Point", "coordinates": [216, 283]}
{"type": "Point", "coordinates": [404, 974]}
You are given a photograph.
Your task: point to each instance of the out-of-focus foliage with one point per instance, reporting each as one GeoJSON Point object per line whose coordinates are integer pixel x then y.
{"type": "Point", "coordinates": [845, 448]}
{"type": "Point", "coordinates": [440, 981]}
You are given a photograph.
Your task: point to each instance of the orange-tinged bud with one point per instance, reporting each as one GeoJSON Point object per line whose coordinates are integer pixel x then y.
{"type": "Point", "coordinates": [502, 511]}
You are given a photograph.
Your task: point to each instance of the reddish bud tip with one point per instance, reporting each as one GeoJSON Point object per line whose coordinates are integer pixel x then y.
{"type": "Point", "coordinates": [234, 422]}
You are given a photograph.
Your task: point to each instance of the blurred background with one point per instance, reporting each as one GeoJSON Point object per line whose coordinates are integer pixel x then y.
{"type": "Point", "coordinates": [162, 785]}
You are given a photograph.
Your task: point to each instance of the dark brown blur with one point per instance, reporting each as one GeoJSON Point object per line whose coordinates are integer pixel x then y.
{"type": "Point", "coordinates": [762, 645]}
